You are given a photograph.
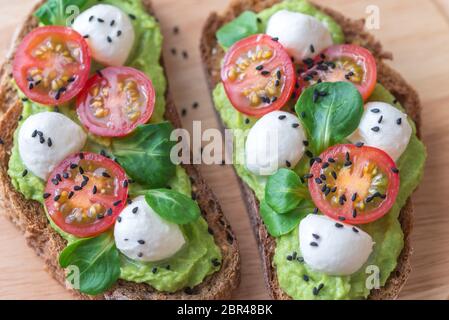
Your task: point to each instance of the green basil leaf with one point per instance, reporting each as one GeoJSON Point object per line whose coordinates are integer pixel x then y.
{"type": "Point", "coordinates": [330, 112]}
{"type": "Point", "coordinates": [280, 224]}
{"type": "Point", "coordinates": [53, 12]}
{"type": "Point", "coordinates": [284, 191]}
{"type": "Point", "coordinates": [173, 206]}
{"type": "Point", "coordinates": [145, 154]}
{"type": "Point", "coordinates": [241, 27]}
{"type": "Point", "coordinates": [97, 260]}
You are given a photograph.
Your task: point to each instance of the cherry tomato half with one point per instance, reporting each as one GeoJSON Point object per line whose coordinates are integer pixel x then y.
{"type": "Point", "coordinates": [52, 64]}
{"type": "Point", "coordinates": [344, 62]}
{"type": "Point", "coordinates": [258, 75]}
{"type": "Point", "coordinates": [85, 194]}
{"type": "Point", "coordinates": [354, 184]}
{"type": "Point", "coordinates": [115, 101]}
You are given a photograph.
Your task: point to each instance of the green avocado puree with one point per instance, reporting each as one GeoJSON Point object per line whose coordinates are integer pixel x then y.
{"type": "Point", "coordinates": [386, 232]}
{"type": "Point", "coordinates": [189, 266]}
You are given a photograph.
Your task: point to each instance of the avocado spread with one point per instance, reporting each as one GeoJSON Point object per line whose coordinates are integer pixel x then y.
{"type": "Point", "coordinates": [295, 278]}
{"type": "Point", "coordinates": [189, 266]}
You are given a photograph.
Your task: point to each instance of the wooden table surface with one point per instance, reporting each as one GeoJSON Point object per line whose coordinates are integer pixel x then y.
{"type": "Point", "coordinates": [416, 31]}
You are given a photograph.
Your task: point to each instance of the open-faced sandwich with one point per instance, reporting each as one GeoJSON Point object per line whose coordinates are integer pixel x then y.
{"type": "Point", "coordinates": [330, 151]}
{"type": "Point", "coordinates": [85, 160]}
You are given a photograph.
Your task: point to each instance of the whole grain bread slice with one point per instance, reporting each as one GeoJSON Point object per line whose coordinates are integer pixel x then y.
{"type": "Point", "coordinates": [212, 55]}
{"type": "Point", "coordinates": [30, 218]}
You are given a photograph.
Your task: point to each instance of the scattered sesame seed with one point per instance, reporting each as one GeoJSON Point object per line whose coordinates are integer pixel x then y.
{"type": "Point", "coordinates": [109, 211]}
{"type": "Point", "coordinates": [265, 73]}
{"type": "Point", "coordinates": [71, 194]}
{"type": "Point", "coordinates": [215, 262]}
{"type": "Point", "coordinates": [312, 48]}
{"type": "Point", "coordinates": [141, 241]}
{"type": "Point", "coordinates": [195, 105]}
{"type": "Point", "coordinates": [275, 39]}
{"type": "Point", "coordinates": [354, 213]}
{"type": "Point", "coordinates": [154, 270]}
{"type": "Point", "coordinates": [338, 225]}
{"type": "Point", "coordinates": [119, 219]}
{"type": "Point", "coordinates": [359, 144]}
{"type": "Point", "coordinates": [135, 209]}
{"type": "Point", "coordinates": [314, 244]}
{"type": "Point", "coordinates": [355, 229]}
{"type": "Point", "coordinates": [395, 170]}
{"type": "Point", "coordinates": [305, 278]}
{"type": "Point", "coordinates": [247, 121]}
{"type": "Point", "coordinates": [109, 39]}
{"type": "Point", "coordinates": [133, 17]}
{"type": "Point", "coordinates": [185, 54]}
{"type": "Point", "coordinates": [105, 174]}
{"type": "Point", "coordinates": [288, 164]}
{"type": "Point", "coordinates": [282, 117]}
{"type": "Point", "coordinates": [46, 195]}
{"type": "Point", "coordinates": [91, 18]}
{"type": "Point", "coordinates": [100, 20]}
{"type": "Point", "coordinates": [399, 121]}
{"type": "Point", "coordinates": [86, 36]}
{"type": "Point", "coordinates": [77, 188]}
{"type": "Point", "coordinates": [295, 125]}
{"type": "Point", "coordinates": [24, 173]}
{"type": "Point", "coordinates": [94, 190]}
{"type": "Point", "coordinates": [184, 112]}
{"type": "Point", "coordinates": [375, 110]}
{"type": "Point", "coordinates": [112, 23]}
{"type": "Point", "coordinates": [315, 236]}
{"type": "Point", "coordinates": [57, 197]}
{"type": "Point", "coordinates": [119, 33]}
{"type": "Point", "coordinates": [380, 119]}
{"type": "Point", "coordinates": [259, 68]}
{"type": "Point", "coordinates": [117, 203]}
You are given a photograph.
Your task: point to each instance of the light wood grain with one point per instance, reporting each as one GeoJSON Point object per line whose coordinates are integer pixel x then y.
{"type": "Point", "coordinates": [416, 31]}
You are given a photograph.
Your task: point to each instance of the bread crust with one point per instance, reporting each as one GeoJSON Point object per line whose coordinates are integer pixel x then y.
{"type": "Point", "coordinates": [212, 55]}
{"type": "Point", "coordinates": [30, 218]}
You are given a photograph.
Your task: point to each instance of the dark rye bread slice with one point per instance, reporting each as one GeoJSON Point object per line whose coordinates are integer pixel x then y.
{"type": "Point", "coordinates": [212, 54]}
{"type": "Point", "coordinates": [30, 217]}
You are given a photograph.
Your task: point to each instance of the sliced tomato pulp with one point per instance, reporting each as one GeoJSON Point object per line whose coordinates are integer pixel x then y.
{"type": "Point", "coordinates": [52, 64]}
{"type": "Point", "coordinates": [354, 184]}
{"type": "Point", "coordinates": [345, 62]}
{"type": "Point", "coordinates": [115, 101]}
{"type": "Point", "coordinates": [85, 194]}
{"type": "Point", "coordinates": [258, 75]}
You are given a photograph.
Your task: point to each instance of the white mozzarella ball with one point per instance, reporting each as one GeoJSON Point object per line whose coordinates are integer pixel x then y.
{"type": "Point", "coordinates": [275, 141]}
{"type": "Point", "coordinates": [384, 127]}
{"type": "Point", "coordinates": [47, 138]}
{"type": "Point", "coordinates": [142, 235]}
{"type": "Point", "coordinates": [303, 36]}
{"type": "Point", "coordinates": [332, 247]}
{"type": "Point", "coordinates": [109, 33]}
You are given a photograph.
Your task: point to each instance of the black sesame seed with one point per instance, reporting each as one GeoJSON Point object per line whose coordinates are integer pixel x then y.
{"type": "Point", "coordinates": [141, 241]}
{"type": "Point", "coordinates": [42, 140]}
{"type": "Point", "coordinates": [282, 117]}
{"type": "Point", "coordinates": [315, 236]}
{"type": "Point", "coordinates": [185, 54]}
{"type": "Point", "coordinates": [355, 229]}
{"type": "Point", "coordinates": [359, 144]}
{"type": "Point", "coordinates": [20, 118]}
{"type": "Point", "coordinates": [46, 195]}
{"type": "Point", "coordinates": [86, 36]}
{"type": "Point", "coordinates": [318, 181]}
{"type": "Point", "coordinates": [303, 115]}
{"type": "Point", "coordinates": [109, 39]}
{"type": "Point", "coordinates": [24, 173]}
{"type": "Point", "coordinates": [55, 181]}
{"type": "Point", "coordinates": [348, 163]}
{"type": "Point", "coordinates": [308, 176]}
{"type": "Point", "coordinates": [246, 121]}
{"type": "Point", "coordinates": [98, 72]}
{"type": "Point", "coordinates": [354, 213]}
{"type": "Point", "coordinates": [91, 18]}
{"type": "Point", "coordinates": [305, 278]}
{"type": "Point", "coordinates": [135, 209]}
{"type": "Point", "coordinates": [184, 112]}
{"type": "Point", "coordinates": [265, 73]}
{"type": "Point", "coordinates": [395, 170]}
{"type": "Point", "coordinates": [318, 160]}
{"type": "Point", "coordinates": [338, 225]}
{"type": "Point", "coordinates": [71, 194]}
{"type": "Point", "coordinates": [117, 203]}
{"type": "Point", "coordinates": [325, 165]}
{"type": "Point", "coordinates": [315, 211]}
{"type": "Point", "coordinates": [81, 170]}
{"type": "Point", "coordinates": [309, 153]}
{"type": "Point", "coordinates": [341, 218]}
{"type": "Point", "coordinates": [73, 165]}
{"type": "Point", "coordinates": [109, 212]}
{"type": "Point", "coordinates": [94, 190]}
{"type": "Point", "coordinates": [288, 164]}
{"type": "Point", "coordinates": [112, 23]}
{"type": "Point", "coordinates": [295, 125]}
{"type": "Point", "coordinates": [105, 174]}
{"type": "Point", "coordinates": [331, 160]}
{"type": "Point", "coordinates": [380, 119]}
{"type": "Point", "coordinates": [314, 244]}
{"type": "Point", "coordinates": [57, 197]}
{"type": "Point", "coordinates": [119, 33]}
{"type": "Point", "coordinates": [77, 188]}
{"type": "Point", "coordinates": [275, 39]}
{"type": "Point", "coordinates": [34, 134]}
{"type": "Point", "coordinates": [195, 105]}
{"type": "Point", "coordinates": [140, 255]}
{"type": "Point", "coordinates": [259, 68]}
{"type": "Point", "coordinates": [100, 20]}
{"type": "Point", "coordinates": [354, 196]}
{"type": "Point", "coordinates": [83, 184]}
{"type": "Point", "coordinates": [334, 175]}
{"type": "Point", "coordinates": [399, 121]}
{"type": "Point", "coordinates": [119, 219]}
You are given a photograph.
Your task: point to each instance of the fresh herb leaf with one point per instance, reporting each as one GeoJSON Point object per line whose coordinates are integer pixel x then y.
{"type": "Point", "coordinates": [145, 154]}
{"type": "Point", "coordinates": [97, 260]}
{"type": "Point", "coordinates": [57, 12]}
{"type": "Point", "coordinates": [243, 26]}
{"type": "Point", "coordinates": [330, 112]}
{"type": "Point", "coordinates": [285, 191]}
{"type": "Point", "coordinates": [173, 206]}
{"type": "Point", "coordinates": [280, 224]}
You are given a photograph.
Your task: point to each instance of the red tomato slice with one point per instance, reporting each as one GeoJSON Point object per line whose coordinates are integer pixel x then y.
{"type": "Point", "coordinates": [52, 64]}
{"type": "Point", "coordinates": [344, 62]}
{"type": "Point", "coordinates": [354, 184]}
{"type": "Point", "coordinates": [85, 194]}
{"type": "Point", "coordinates": [258, 75]}
{"type": "Point", "coordinates": [115, 101]}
